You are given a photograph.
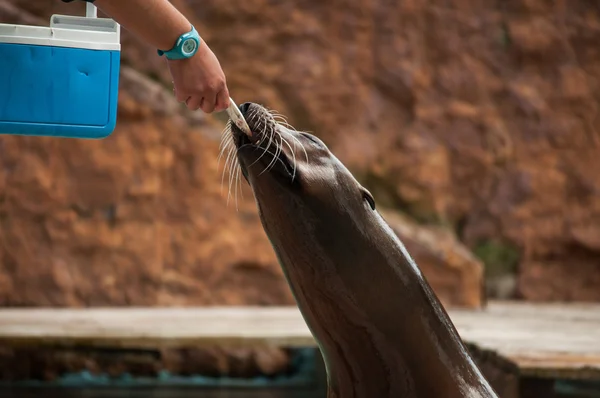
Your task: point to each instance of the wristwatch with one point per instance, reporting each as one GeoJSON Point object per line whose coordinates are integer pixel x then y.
{"type": "Point", "coordinates": [186, 46]}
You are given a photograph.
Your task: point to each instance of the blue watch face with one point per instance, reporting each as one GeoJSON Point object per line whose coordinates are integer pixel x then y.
{"type": "Point", "coordinates": [189, 46]}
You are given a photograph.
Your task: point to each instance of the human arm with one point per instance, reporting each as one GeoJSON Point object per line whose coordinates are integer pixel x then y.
{"type": "Point", "coordinates": [199, 80]}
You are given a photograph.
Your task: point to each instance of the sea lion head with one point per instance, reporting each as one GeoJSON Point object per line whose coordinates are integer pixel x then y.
{"type": "Point", "coordinates": [291, 170]}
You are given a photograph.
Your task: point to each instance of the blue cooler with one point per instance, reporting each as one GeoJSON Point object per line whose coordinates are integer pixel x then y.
{"type": "Point", "coordinates": [62, 80]}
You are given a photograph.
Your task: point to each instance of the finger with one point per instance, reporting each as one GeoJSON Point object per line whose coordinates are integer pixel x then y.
{"type": "Point", "coordinates": [193, 103]}
{"type": "Point", "coordinates": [180, 95]}
{"type": "Point", "coordinates": [208, 105]}
{"type": "Point", "coordinates": [222, 100]}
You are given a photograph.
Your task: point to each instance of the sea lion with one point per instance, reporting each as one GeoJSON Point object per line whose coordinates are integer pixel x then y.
{"type": "Point", "coordinates": [382, 331]}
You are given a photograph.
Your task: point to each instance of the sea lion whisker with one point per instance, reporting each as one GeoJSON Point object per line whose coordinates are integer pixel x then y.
{"type": "Point", "coordinates": [264, 131]}
{"type": "Point", "coordinates": [226, 131]}
{"type": "Point", "coordinates": [234, 168]}
{"type": "Point", "coordinates": [295, 164]}
{"type": "Point", "coordinates": [271, 134]}
{"type": "Point", "coordinates": [280, 118]}
{"type": "Point", "coordinates": [235, 172]}
{"type": "Point", "coordinates": [286, 124]}
{"type": "Point", "coordinates": [279, 146]}
{"type": "Point", "coordinates": [278, 151]}
{"type": "Point", "coordinates": [227, 142]}
{"type": "Point", "coordinates": [223, 176]}
{"type": "Point", "coordinates": [230, 181]}
{"type": "Point", "coordinates": [301, 146]}
{"type": "Point", "coordinates": [236, 185]}
{"type": "Point", "coordinates": [238, 177]}
{"type": "Point", "coordinates": [275, 157]}
{"type": "Point", "coordinates": [227, 126]}
{"type": "Point", "coordinates": [268, 151]}
{"type": "Point", "coordinates": [283, 121]}
{"type": "Point", "coordinates": [228, 145]}
{"type": "Point", "coordinates": [230, 172]}
{"type": "Point", "coordinates": [226, 170]}
{"type": "Point", "coordinates": [277, 160]}
{"type": "Point", "coordinates": [268, 145]}
{"type": "Point", "coordinates": [277, 115]}
{"type": "Point", "coordinates": [250, 145]}
{"type": "Point", "coordinates": [225, 137]}
{"type": "Point", "coordinates": [231, 158]}
{"type": "Point", "coordinates": [261, 136]}
{"type": "Point", "coordinates": [244, 146]}
{"type": "Point", "coordinates": [265, 151]}
{"type": "Point", "coordinates": [252, 115]}
{"type": "Point", "coordinates": [274, 112]}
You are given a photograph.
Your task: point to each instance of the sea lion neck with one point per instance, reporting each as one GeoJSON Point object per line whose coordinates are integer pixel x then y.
{"type": "Point", "coordinates": [372, 314]}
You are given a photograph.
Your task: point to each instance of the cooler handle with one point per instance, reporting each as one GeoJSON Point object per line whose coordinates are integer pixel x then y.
{"type": "Point", "coordinates": [90, 10]}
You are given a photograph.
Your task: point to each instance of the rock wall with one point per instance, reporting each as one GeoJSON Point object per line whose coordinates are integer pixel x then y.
{"type": "Point", "coordinates": [142, 217]}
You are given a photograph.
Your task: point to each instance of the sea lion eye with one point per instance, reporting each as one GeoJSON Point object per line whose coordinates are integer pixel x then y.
{"type": "Point", "coordinates": [313, 139]}
{"type": "Point", "coordinates": [369, 198]}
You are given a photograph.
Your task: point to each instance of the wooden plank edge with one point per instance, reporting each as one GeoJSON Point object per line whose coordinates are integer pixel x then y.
{"type": "Point", "coordinates": [154, 342]}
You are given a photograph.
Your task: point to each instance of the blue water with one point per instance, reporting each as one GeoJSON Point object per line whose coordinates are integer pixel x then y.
{"type": "Point", "coordinates": [303, 381]}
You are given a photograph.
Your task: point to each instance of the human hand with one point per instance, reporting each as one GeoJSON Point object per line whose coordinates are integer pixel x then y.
{"type": "Point", "coordinates": [200, 81]}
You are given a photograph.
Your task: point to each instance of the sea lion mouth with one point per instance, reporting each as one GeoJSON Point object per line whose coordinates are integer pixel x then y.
{"type": "Point", "coordinates": [267, 145]}
{"type": "Point", "coordinates": [270, 154]}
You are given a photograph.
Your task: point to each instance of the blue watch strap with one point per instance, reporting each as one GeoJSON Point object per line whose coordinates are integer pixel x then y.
{"type": "Point", "coordinates": [186, 46]}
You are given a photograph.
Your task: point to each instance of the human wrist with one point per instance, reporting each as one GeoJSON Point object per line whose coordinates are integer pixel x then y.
{"type": "Point", "coordinates": [142, 17]}
{"type": "Point", "coordinates": [186, 46]}
{"type": "Point", "coordinates": [175, 34]}
{"type": "Point", "coordinates": [202, 52]}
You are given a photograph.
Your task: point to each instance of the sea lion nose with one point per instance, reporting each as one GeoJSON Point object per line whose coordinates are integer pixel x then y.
{"type": "Point", "coordinates": [244, 107]}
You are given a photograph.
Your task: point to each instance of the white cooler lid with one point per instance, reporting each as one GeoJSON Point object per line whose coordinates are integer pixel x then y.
{"type": "Point", "coordinates": [66, 31]}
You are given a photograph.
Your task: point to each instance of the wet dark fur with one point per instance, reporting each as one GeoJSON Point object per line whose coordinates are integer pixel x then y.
{"type": "Point", "coordinates": [381, 329]}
